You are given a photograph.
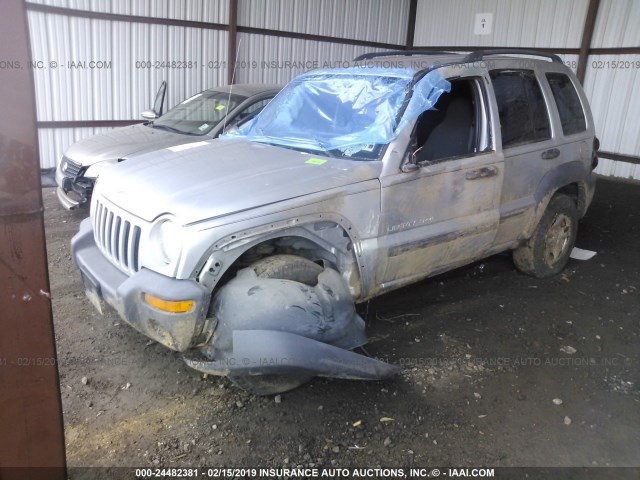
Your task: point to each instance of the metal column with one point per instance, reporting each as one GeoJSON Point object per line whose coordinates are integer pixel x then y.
{"type": "Point", "coordinates": [31, 430]}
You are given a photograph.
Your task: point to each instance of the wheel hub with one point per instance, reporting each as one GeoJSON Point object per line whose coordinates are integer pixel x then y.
{"type": "Point", "coordinates": [557, 238]}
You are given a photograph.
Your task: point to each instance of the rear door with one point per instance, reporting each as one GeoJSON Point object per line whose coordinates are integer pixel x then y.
{"type": "Point", "coordinates": [529, 148]}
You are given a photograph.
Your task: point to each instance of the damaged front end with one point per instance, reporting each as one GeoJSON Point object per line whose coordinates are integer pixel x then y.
{"type": "Point", "coordinates": [268, 326]}
{"type": "Point", "coordinates": [74, 189]}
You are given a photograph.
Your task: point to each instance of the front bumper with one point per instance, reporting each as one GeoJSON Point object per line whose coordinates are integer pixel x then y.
{"type": "Point", "coordinates": [106, 284]}
{"type": "Point", "coordinates": [73, 192]}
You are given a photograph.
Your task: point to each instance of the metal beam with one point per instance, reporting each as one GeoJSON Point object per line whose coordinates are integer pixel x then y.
{"type": "Point", "coordinates": [411, 24]}
{"type": "Point", "coordinates": [87, 123]}
{"type": "Point", "coordinates": [587, 34]}
{"type": "Point", "coordinates": [116, 17]}
{"type": "Point", "coordinates": [31, 429]}
{"type": "Point", "coordinates": [319, 38]}
{"type": "Point", "coordinates": [618, 157]}
{"type": "Point", "coordinates": [232, 42]}
{"type": "Point", "coordinates": [615, 51]}
{"type": "Point", "coordinates": [473, 48]}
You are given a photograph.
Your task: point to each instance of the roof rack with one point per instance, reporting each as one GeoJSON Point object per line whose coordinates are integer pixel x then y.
{"type": "Point", "coordinates": [478, 55]}
{"type": "Point", "coordinates": [406, 53]}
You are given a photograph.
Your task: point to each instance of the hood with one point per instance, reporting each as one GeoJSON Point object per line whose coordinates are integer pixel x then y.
{"type": "Point", "coordinates": [210, 179]}
{"type": "Point", "coordinates": [124, 141]}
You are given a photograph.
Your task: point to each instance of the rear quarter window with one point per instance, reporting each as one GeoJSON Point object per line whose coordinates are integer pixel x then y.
{"type": "Point", "coordinates": [568, 103]}
{"type": "Point", "coordinates": [523, 112]}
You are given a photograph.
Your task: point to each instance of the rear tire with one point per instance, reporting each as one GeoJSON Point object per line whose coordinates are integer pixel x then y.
{"type": "Point", "coordinates": [547, 251]}
{"type": "Point", "coordinates": [284, 267]}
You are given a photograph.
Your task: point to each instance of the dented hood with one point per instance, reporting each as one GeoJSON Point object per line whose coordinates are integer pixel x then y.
{"type": "Point", "coordinates": [210, 179]}
{"type": "Point", "coordinates": [122, 142]}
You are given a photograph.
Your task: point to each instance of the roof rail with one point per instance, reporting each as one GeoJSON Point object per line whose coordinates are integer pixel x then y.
{"type": "Point", "coordinates": [406, 53]}
{"type": "Point", "coordinates": [478, 55]}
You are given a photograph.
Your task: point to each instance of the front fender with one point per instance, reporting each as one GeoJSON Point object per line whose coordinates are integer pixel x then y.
{"type": "Point", "coordinates": [332, 238]}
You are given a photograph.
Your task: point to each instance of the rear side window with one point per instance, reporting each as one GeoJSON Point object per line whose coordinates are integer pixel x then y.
{"type": "Point", "coordinates": [523, 112]}
{"type": "Point", "coordinates": [568, 102]}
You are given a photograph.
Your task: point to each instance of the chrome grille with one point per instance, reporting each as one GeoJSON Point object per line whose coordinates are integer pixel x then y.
{"type": "Point", "coordinates": [70, 168]}
{"type": "Point", "coordinates": [117, 238]}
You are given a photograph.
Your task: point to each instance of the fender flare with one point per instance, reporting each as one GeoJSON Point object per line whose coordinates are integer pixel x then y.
{"type": "Point", "coordinates": [228, 249]}
{"type": "Point", "coordinates": [566, 174]}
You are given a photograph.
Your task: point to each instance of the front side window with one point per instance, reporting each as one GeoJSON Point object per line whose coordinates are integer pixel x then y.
{"type": "Point", "coordinates": [449, 129]}
{"type": "Point", "coordinates": [568, 103]}
{"type": "Point", "coordinates": [521, 106]}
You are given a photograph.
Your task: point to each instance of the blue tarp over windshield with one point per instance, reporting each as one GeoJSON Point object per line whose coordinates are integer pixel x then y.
{"type": "Point", "coordinates": [343, 108]}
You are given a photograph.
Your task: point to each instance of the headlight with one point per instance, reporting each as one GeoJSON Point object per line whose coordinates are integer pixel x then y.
{"type": "Point", "coordinates": [166, 238]}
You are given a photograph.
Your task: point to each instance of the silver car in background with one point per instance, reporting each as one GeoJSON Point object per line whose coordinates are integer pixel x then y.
{"type": "Point", "coordinates": [201, 117]}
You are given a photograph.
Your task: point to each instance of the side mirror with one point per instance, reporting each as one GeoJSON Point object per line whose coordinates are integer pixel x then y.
{"type": "Point", "coordinates": [412, 164]}
{"type": "Point", "coordinates": [231, 128]}
{"type": "Point", "coordinates": [149, 115]}
{"type": "Point", "coordinates": [158, 104]}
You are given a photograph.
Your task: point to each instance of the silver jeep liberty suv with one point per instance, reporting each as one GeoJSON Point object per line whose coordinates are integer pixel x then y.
{"type": "Point", "coordinates": [248, 253]}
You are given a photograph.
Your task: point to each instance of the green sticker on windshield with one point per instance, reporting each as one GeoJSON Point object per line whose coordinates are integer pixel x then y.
{"type": "Point", "coordinates": [316, 161]}
{"type": "Point", "coordinates": [220, 107]}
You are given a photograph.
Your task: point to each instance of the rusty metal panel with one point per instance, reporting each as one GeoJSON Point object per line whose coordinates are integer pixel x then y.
{"type": "Point", "coordinates": [383, 21]}
{"type": "Point", "coordinates": [30, 406]}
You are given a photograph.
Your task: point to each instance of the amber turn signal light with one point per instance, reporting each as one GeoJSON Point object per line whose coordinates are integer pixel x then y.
{"type": "Point", "coordinates": [171, 306]}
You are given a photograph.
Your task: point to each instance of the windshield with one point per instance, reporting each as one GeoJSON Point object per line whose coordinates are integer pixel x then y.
{"type": "Point", "coordinates": [349, 113]}
{"type": "Point", "coordinates": [199, 114]}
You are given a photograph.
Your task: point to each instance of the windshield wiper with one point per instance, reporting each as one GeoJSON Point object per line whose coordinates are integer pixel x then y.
{"type": "Point", "coordinates": [327, 152]}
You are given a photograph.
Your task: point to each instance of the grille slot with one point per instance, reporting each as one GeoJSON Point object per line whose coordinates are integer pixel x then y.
{"type": "Point", "coordinates": [70, 168]}
{"type": "Point", "coordinates": [117, 238]}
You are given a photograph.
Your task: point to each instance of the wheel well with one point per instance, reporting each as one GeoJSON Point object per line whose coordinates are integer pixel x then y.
{"type": "Point", "coordinates": [576, 192]}
{"type": "Point", "coordinates": [274, 246]}
{"type": "Point", "coordinates": [325, 243]}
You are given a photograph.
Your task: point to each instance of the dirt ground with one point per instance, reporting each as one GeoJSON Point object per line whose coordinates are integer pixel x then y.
{"type": "Point", "coordinates": [485, 351]}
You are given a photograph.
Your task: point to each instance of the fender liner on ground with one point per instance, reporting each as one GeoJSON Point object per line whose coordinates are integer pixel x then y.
{"type": "Point", "coordinates": [268, 352]}
{"type": "Point", "coordinates": [271, 326]}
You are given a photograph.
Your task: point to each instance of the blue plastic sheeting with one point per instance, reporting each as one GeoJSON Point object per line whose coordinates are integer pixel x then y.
{"type": "Point", "coordinates": [343, 108]}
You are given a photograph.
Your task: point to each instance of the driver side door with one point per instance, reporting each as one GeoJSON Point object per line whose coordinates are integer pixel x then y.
{"type": "Point", "coordinates": [443, 211]}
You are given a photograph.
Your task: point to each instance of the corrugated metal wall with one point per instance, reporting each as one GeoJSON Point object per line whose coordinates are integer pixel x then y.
{"type": "Point", "coordinates": [268, 59]}
{"type": "Point", "coordinates": [263, 58]}
{"type": "Point", "coordinates": [613, 85]}
{"type": "Point", "coordinates": [214, 11]}
{"type": "Point", "coordinates": [123, 90]}
{"type": "Point", "coordinates": [381, 21]}
{"type": "Point", "coordinates": [118, 88]}
{"type": "Point", "coordinates": [516, 23]}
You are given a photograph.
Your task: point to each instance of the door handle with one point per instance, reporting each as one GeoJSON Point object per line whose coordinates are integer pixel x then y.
{"type": "Point", "coordinates": [483, 172]}
{"type": "Point", "coordinates": [550, 154]}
